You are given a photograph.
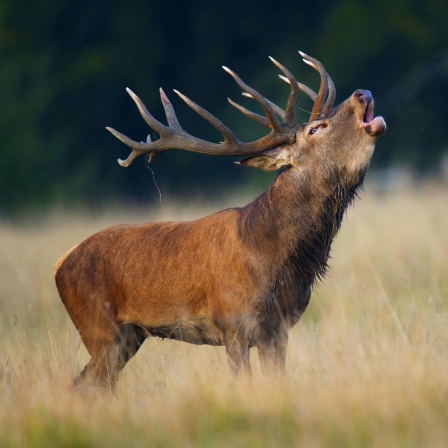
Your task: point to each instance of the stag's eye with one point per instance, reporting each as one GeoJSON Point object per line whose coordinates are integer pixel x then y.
{"type": "Point", "coordinates": [321, 125]}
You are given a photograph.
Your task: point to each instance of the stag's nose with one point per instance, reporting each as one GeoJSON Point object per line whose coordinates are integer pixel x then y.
{"type": "Point", "coordinates": [363, 96]}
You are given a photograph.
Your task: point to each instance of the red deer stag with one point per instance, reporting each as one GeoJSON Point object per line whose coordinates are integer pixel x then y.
{"type": "Point", "coordinates": [241, 277]}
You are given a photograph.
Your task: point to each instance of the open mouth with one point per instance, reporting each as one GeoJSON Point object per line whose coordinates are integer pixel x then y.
{"type": "Point", "coordinates": [373, 126]}
{"type": "Point", "coordinates": [368, 113]}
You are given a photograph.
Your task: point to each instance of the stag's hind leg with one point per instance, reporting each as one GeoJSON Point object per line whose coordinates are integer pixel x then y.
{"type": "Point", "coordinates": [101, 343]}
{"type": "Point", "coordinates": [110, 355]}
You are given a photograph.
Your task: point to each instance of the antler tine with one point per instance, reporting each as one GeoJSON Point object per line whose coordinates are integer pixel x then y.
{"type": "Point", "coordinates": [290, 114]}
{"type": "Point", "coordinates": [263, 121]}
{"type": "Point", "coordinates": [171, 118]}
{"type": "Point", "coordinates": [215, 122]}
{"type": "Point", "coordinates": [305, 89]}
{"type": "Point", "coordinates": [313, 95]}
{"type": "Point", "coordinates": [331, 95]}
{"type": "Point", "coordinates": [318, 104]}
{"type": "Point", "coordinates": [261, 100]}
{"type": "Point", "coordinates": [139, 148]}
{"type": "Point", "coordinates": [278, 110]}
{"type": "Point", "coordinates": [149, 119]}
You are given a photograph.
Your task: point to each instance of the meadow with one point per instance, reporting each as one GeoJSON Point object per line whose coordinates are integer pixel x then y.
{"type": "Point", "coordinates": [367, 365]}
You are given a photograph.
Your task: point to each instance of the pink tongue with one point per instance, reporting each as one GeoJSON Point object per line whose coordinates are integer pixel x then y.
{"type": "Point", "coordinates": [376, 126]}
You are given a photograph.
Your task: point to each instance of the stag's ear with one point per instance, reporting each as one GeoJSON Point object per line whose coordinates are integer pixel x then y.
{"type": "Point", "coordinates": [270, 160]}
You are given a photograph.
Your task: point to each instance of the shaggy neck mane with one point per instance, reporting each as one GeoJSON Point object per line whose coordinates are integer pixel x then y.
{"type": "Point", "coordinates": [310, 255]}
{"type": "Point", "coordinates": [297, 219]}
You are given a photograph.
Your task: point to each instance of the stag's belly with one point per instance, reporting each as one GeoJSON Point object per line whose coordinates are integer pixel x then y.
{"type": "Point", "coordinates": [197, 330]}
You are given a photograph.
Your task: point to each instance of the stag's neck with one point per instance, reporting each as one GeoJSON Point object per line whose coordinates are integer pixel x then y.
{"type": "Point", "coordinates": [296, 220]}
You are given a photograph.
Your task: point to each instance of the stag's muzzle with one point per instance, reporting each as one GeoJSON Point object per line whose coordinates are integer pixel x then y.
{"type": "Point", "coordinates": [374, 126]}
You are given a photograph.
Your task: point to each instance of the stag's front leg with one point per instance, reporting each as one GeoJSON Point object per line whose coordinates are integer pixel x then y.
{"type": "Point", "coordinates": [238, 354]}
{"type": "Point", "coordinates": [272, 353]}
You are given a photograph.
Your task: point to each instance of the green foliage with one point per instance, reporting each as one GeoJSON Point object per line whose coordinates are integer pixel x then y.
{"type": "Point", "coordinates": [65, 65]}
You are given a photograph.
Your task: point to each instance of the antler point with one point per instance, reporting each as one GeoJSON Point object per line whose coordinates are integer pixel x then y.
{"type": "Point", "coordinates": [227, 69]}
{"type": "Point", "coordinates": [123, 163]}
{"type": "Point", "coordinates": [309, 63]}
{"type": "Point", "coordinates": [284, 78]}
{"type": "Point", "coordinates": [132, 94]}
{"type": "Point", "coordinates": [179, 94]}
{"type": "Point", "coordinates": [163, 97]}
{"type": "Point", "coordinates": [112, 131]}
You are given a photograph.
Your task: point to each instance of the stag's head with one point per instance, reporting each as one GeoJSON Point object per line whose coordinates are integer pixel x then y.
{"type": "Point", "coordinates": [338, 138]}
{"type": "Point", "coordinates": [343, 138]}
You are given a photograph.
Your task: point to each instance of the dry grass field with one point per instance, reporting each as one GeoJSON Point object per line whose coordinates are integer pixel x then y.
{"type": "Point", "coordinates": [367, 365]}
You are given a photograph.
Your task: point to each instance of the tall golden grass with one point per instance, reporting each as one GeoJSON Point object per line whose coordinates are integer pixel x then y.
{"type": "Point", "coordinates": [367, 365]}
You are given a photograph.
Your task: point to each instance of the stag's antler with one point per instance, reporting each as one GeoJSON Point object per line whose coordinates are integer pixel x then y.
{"type": "Point", "coordinates": [282, 132]}
{"type": "Point", "coordinates": [326, 86]}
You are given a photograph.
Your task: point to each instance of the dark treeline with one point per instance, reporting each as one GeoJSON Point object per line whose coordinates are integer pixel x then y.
{"type": "Point", "coordinates": [65, 66]}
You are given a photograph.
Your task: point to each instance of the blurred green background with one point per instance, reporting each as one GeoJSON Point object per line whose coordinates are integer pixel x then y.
{"type": "Point", "coordinates": [65, 65]}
